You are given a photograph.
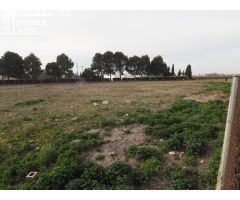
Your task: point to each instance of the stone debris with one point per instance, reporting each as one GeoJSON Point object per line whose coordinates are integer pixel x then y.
{"type": "Point", "coordinates": [128, 101]}
{"type": "Point", "coordinates": [181, 154]}
{"type": "Point", "coordinates": [95, 104]}
{"type": "Point", "coordinates": [112, 154]}
{"type": "Point", "coordinates": [37, 148]}
{"type": "Point", "coordinates": [202, 161]}
{"type": "Point", "coordinates": [31, 176]}
{"type": "Point", "coordinates": [172, 153]}
{"type": "Point", "coordinates": [75, 119]}
{"type": "Point", "coordinates": [105, 102]}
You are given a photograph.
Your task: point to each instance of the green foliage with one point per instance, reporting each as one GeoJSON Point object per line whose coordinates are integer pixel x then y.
{"type": "Point", "coordinates": [188, 72]}
{"type": "Point", "coordinates": [144, 152]}
{"type": "Point", "coordinates": [107, 122]}
{"type": "Point", "coordinates": [12, 65]}
{"type": "Point", "coordinates": [65, 64]}
{"type": "Point", "coordinates": [32, 65]}
{"type": "Point", "coordinates": [53, 70]}
{"type": "Point", "coordinates": [209, 178]}
{"type": "Point", "coordinates": [151, 167]}
{"type": "Point", "coordinates": [182, 178]}
{"type": "Point", "coordinates": [81, 184]}
{"type": "Point", "coordinates": [224, 87]}
{"type": "Point", "coordinates": [47, 155]}
{"type": "Point", "coordinates": [29, 102]}
{"type": "Point", "coordinates": [190, 160]}
{"type": "Point", "coordinates": [88, 74]}
{"type": "Point", "coordinates": [187, 125]}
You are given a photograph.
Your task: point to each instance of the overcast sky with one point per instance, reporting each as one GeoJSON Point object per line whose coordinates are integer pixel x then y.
{"type": "Point", "coordinates": [208, 40]}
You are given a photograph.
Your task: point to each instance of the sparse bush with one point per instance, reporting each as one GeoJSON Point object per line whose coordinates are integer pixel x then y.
{"type": "Point", "coordinates": [144, 152]}
{"type": "Point", "coordinates": [209, 178]}
{"type": "Point", "coordinates": [47, 155]}
{"type": "Point", "coordinates": [151, 167]}
{"type": "Point", "coordinates": [182, 179]}
{"type": "Point", "coordinates": [190, 160]}
{"type": "Point", "coordinates": [82, 184]}
{"type": "Point", "coordinates": [107, 122]}
{"type": "Point", "coordinates": [29, 102]}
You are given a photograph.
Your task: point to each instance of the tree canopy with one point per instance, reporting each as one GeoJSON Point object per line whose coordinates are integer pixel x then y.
{"type": "Point", "coordinates": [12, 65]}
{"type": "Point", "coordinates": [65, 65]}
{"type": "Point", "coordinates": [53, 70]}
{"type": "Point", "coordinates": [32, 66]}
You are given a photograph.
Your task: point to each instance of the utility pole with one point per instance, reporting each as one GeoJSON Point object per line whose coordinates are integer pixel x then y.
{"type": "Point", "coordinates": [77, 71]}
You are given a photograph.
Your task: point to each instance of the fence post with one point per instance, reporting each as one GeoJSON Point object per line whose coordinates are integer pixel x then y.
{"type": "Point", "coordinates": [226, 174]}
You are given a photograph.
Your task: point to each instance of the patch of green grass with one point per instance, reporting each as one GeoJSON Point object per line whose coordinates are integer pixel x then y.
{"type": "Point", "coordinates": [29, 102]}
{"type": "Point", "coordinates": [224, 87]}
{"type": "Point", "coordinates": [144, 152]}
{"type": "Point", "coordinates": [209, 178]}
{"type": "Point", "coordinates": [190, 160]}
{"type": "Point", "coordinates": [187, 125]}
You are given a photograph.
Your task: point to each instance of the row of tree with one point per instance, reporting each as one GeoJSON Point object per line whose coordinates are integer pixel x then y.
{"type": "Point", "coordinates": [111, 63]}
{"type": "Point", "coordinates": [14, 66]}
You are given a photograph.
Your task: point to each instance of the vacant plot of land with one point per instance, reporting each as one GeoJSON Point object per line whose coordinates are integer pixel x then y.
{"type": "Point", "coordinates": [71, 133]}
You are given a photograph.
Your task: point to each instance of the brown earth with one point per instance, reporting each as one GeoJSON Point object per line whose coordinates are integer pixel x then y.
{"type": "Point", "coordinates": [119, 140]}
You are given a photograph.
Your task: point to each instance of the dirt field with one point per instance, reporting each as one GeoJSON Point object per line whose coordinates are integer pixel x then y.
{"type": "Point", "coordinates": [40, 114]}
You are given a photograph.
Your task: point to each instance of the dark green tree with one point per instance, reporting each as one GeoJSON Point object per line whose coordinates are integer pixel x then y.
{"type": "Point", "coordinates": [132, 65]}
{"type": "Point", "coordinates": [158, 67]}
{"type": "Point", "coordinates": [179, 72]}
{"type": "Point", "coordinates": [120, 62]}
{"type": "Point", "coordinates": [13, 65]}
{"type": "Point", "coordinates": [53, 70]}
{"type": "Point", "coordinates": [65, 64]}
{"type": "Point", "coordinates": [1, 67]}
{"type": "Point", "coordinates": [108, 63]}
{"type": "Point", "coordinates": [188, 71]}
{"type": "Point", "coordinates": [143, 65]}
{"type": "Point", "coordinates": [32, 66]}
{"type": "Point", "coordinates": [173, 71]}
{"type": "Point", "coordinates": [98, 65]}
{"type": "Point", "coordinates": [88, 73]}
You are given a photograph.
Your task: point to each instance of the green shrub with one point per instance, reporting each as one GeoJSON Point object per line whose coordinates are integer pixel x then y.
{"type": "Point", "coordinates": [182, 179]}
{"type": "Point", "coordinates": [151, 167]}
{"type": "Point", "coordinates": [47, 155]}
{"type": "Point", "coordinates": [187, 125]}
{"type": "Point", "coordinates": [108, 122]}
{"type": "Point", "coordinates": [190, 160]}
{"type": "Point", "coordinates": [209, 178]}
{"type": "Point", "coordinates": [82, 184]}
{"type": "Point", "coordinates": [144, 152]}
{"type": "Point", "coordinates": [69, 166]}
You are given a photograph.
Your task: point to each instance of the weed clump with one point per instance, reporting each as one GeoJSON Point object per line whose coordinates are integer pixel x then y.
{"type": "Point", "coordinates": [29, 102]}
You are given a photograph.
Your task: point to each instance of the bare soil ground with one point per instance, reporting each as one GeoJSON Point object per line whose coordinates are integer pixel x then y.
{"type": "Point", "coordinates": [119, 139]}
{"type": "Point", "coordinates": [71, 102]}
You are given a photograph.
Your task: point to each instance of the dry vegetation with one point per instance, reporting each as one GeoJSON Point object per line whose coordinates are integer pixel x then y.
{"type": "Point", "coordinates": [35, 119]}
